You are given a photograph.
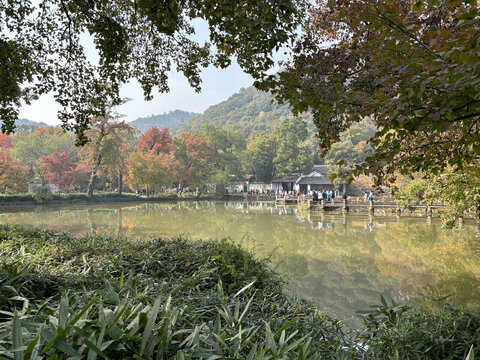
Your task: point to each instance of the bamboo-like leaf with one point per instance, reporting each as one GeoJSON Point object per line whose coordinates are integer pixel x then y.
{"type": "Point", "coordinates": [50, 337]}
{"type": "Point", "coordinates": [93, 347]}
{"type": "Point", "coordinates": [243, 289]}
{"type": "Point", "coordinates": [61, 345]}
{"type": "Point", "coordinates": [77, 317]}
{"type": "Point", "coordinates": [120, 281]}
{"type": "Point", "coordinates": [18, 352]}
{"type": "Point", "coordinates": [180, 355]}
{"type": "Point", "coordinates": [285, 326]}
{"type": "Point", "coordinates": [236, 312]}
{"type": "Point", "coordinates": [29, 351]}
{"type": "Point", "coordinates": [63, 312]}
{"type": "Point", "coordinates": [269, 338]}
{"type": "Point", "coordinates": [152, 317]}
{"type": "Point", "coordinates": [470, 355]}
{"type": "Point", "coordinates": [245, 309]}
{"type": "Point", "coordinates": [120, 311]}
{"type": "Point", "coordinates": [92, 355]}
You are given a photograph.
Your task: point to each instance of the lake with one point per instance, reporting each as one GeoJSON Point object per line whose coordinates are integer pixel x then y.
{"type": "Point", "coordinates": [340, 262]}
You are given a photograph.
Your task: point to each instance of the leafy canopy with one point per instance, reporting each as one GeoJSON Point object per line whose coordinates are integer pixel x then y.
{"type": "Point", "coordinates": [410, 65]}
{"type": "Point", "coordinates": [293, 154]}
{"type": "Point", "coordinates": [62, 170]}
{"type": "Point", "coordinates": [259, 155]}
{"type": "Point", "coordinates": [42, 48]}
{"type": "Point", "coordinates": [158, 141]}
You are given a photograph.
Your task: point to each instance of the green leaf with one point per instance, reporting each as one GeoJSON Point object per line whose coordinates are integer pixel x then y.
{"type": "Point", "coordinates": [31, 347]}
{"type": "Point", "coordinates": [18, 352]}
{"type": "Point", "coordinates": [77, 317]}
{"type": "Point", "coordinates": [94, 348]}
{"type": "Point", "coordinates": [243, 289]}
{"type": "Point", "coordinates": [63, 312]}
{"type": "Point", "coordinates": [152, 317]}
{"type": "Point", "coordinates": [269, 338]}
{"type": "Point", "coordinates": [470, 355]}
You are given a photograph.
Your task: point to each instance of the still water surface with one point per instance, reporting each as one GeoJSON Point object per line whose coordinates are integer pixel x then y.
{"type": "Point", "coordinates": [340, 262]}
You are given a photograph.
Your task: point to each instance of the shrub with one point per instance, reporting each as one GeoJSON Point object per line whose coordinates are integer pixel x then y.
{"type": "Point", "coordinates": [394, 331]}
{"type": "Point", "coordinates": [42, 194]}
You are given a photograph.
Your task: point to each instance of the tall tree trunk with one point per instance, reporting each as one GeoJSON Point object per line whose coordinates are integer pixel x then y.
{"type": "Point", "coordinates": [120, 183]}
{"type": "Point", "coordinates": [93, 176]}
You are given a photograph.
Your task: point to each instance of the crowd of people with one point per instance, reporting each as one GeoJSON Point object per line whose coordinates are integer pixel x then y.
{"type": "Point", "coordinates": [327, 196]}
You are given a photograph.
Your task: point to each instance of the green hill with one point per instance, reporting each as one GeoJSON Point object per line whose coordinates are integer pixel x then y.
{"type": "Point", "coordinates": [30, 122]}
{"type": "Point", "coordinates": [168, 120]}
{"type": "Point", "coordinates": [247, 111]}
{"type": "Point", "coordinates": [23, 124]}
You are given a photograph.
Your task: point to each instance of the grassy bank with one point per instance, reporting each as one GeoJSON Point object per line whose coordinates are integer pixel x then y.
{"type": "Point", "coordinates": [96, 297]}
{"type": "Point", "coordinates": [75, 198]}
{"type": "Point", "coordinates": [105, 197]}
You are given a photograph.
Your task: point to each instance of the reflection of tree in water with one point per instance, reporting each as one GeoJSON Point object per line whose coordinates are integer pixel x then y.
{"type": "Point", "coordinates": [341, 272]}
{"type": "Point", "coordinates": [343, 266]}
{"type": "Point", "coordinates": [334, 291]}
{"type": "Point", "coordinates": [295, 266]}
{"type": "Point", "coordinates": [425, 258]}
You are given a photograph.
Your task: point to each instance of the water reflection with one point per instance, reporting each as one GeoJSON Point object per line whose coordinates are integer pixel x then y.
{"type": "Point", "coordinates": [342, 262]}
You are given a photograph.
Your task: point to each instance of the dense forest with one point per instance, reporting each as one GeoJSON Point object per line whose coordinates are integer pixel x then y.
{"type": "Point", "coordinates": [117, 154]}
{"type": "Point", "coordinates": [247, 111]}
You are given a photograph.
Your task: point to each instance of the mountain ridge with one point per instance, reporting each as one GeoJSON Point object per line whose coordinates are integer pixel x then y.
{"type": "Point", "coordinates": [168, 120]}
{"type": "Point", "coordinates": [249, 110]}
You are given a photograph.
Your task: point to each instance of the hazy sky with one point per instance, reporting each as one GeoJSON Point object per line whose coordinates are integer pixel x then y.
{"type": "Point", "coordinates": [217, 85]}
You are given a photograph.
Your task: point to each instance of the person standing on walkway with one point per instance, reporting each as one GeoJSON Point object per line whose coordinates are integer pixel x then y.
{"type": "Point", "coordinates": [370, 197]}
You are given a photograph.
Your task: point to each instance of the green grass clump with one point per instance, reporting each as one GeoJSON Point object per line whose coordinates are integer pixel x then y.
{"type": "Point", "coordinates": [87, 297]}
{"type": "Point", "coordinates": [65, 297]}
{"type": "Point", "coordinates": [394, 331]}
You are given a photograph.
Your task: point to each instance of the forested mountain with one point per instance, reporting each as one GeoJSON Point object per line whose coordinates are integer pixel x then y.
{"type": "Point", "coordinates": [168, 120]}
{"type": "Point", "coordinates": [30, 122]}
{"type": "Point", "coordinates": [247, 111]}
{"type": "Point", "coordinates": [25, 123]}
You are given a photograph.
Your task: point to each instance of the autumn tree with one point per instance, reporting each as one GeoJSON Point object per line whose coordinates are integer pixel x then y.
{"type": "Point", "coordinates": [158, 141]}
{"type": "Point", "coordinates": [12, 175]}
{"type": "Point", "coordinates": [6, 144]}
{"type": "Point", "coordinates": [107, 148]}
{"type": "Point", "coordinates": [42, 48]}
{"type": "Point", "coordinates": [62, 171]}
{"type": "Point", "coordinates": [31, 147]}
{"type": "Point", "coordinates": [193, 157]}
{"type": "Point", "coordinates": [410, 65]}
{"type": "Point", "coordinates": [149, 171]}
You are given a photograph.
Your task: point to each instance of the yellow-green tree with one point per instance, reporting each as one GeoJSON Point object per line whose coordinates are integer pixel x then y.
{"type": "Point", "coordinates": [149, 171]}
{"type": "Point", "coordinates": [108, 147]}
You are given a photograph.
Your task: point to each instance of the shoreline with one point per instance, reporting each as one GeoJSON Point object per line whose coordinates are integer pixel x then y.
{"type": "Point", "coordinates": [82, 199]}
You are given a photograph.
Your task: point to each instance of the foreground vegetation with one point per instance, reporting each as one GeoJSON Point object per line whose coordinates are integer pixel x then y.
{"type": "Point", "coordinates": [99, 297]}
